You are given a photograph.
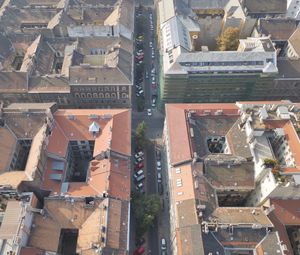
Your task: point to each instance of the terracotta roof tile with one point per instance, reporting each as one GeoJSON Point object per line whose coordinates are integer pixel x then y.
{"type": "Point", "coordinates": [58, 142]}
{"type": "Point", "coordinates": [287, 211]}
{"type": "Point", "coordinates": [110, 175]}
{"type": "Point", "coordinates": [180, 149]}
{"type": "Point", "coordinates": [121, 133]}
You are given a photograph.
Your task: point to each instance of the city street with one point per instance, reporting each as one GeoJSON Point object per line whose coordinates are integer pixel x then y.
{"type": "Point", "coordinates": [154, 125]}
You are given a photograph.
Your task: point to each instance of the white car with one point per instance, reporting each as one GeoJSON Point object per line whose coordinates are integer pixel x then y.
{"type": "Point", "coordinates": [150, 44]}
{"type": "Point", "coordinates": [158, 165]}
{"type": "Point", "coordinates": [149, 112]}
{"type": "Point", "coordinates": [139, 154]}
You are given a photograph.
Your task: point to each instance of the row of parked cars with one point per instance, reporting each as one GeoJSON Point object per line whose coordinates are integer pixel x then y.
{"type": "Point", "coordinates": [139, 58]}
{"type": "Point", "coordinates": [139, 175]}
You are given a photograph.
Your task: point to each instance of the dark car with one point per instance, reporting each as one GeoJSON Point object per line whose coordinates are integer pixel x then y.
{"type": "Point", "coordinates": [160, 188]}
{"type": "Point", "coordinates": [138, 166]}
{"type": "Point", "coordinates": [140, 241]}
{"type": "Point", "coordinates": [158, 155]}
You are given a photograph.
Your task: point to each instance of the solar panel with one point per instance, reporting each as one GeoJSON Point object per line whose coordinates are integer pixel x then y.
{"type": "Point", "coordinates": [58, 165]}
{"type": "Point", "coordinates": [56, 177]}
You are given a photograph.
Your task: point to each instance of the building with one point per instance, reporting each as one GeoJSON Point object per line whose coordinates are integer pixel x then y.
{"type": "Point", "coordinates": [292, 50]}
{"type": "Point", "coordinates": [78, 164]}
{"type": "Point", "coordinates": [76, 54]}
{"type": "Point", "coordinates": [219, 176]}
{"type": "Point", "coordinates": [17, 213]}
{"type": "Point", "coordinates": [283, 207]}
{"type": "Point", "coordinates": [194, 71]}
{"type": "Point", "coordinates": [293, 9]}
{"type": "Point", "coordinates": [279, 30]}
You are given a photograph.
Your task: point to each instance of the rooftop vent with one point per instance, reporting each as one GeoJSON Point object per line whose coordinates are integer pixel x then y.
{"type": "Point", "coordinates": [94, 128]}
{"type": "Point", "coordinates": [71, 117]}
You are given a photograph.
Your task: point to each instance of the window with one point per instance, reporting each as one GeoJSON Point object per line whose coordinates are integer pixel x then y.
{"type": "Point", "coordinates": [101, 95]}
{"type": "Point", "coordinates": [95, 95]}
{"type": "Point", "coordinates": [179, 182]}
{"type": "Point", "coordinates": [107, 95]}
{"type": "Point", "coordinates": [113, 95]}
{"type": "Point", "coordinates": [124, 95]}
{"type": "Point", "coordinates": [178, 170]}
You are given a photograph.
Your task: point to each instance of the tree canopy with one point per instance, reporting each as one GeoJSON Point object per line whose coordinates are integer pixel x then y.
{"type": "Point", "coordinates": [140, 135]}
{"type": "Point", "coordinates": [229, 40]}
{"type": "Point", "coordinates": [145, 208]}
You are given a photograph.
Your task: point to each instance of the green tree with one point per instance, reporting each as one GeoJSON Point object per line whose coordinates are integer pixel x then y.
{"type": "Point", "coordinates": [229, 40]}
{"type": "Point", "coordinates": [145, 208]}
{"type": "Point", "coordinates": [140, 135]}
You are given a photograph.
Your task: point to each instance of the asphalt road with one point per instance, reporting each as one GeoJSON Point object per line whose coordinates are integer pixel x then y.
{"type": "Point", "coordinates": [154, 125]}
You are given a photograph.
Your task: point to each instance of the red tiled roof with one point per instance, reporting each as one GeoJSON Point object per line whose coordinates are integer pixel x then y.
{"type": "Point", "coordinates": [180, 150]}
{"type": "Point", "coordinates": [31, 251]}
{"type": "Point", "coordinates": [121, 131]}
{"type": "Point", "coordinates": [58, 142]}
{"type": "Point", "coordinates": [283, 235]}
{"type": "Point", "coordinates": [110, 175]}
{"type": "Point", "coordinates": [287, 211]}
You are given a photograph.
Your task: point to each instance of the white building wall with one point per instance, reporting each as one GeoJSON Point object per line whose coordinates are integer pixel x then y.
{"type": "Point", "coordinates": [124, 31]}
{"type": "Point", "coordinates": [172, 208]}
{"type": "Point", "coordinates": [92, 30]}
{"type": "Point", "coordinates": [293, 9]}
{"type": "Point", "coordinates": [262, 190]}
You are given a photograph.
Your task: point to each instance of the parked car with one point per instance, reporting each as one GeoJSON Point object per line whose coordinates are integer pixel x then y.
{"type": "Point", "coordinates": [141, 92]}
{"type": "Point", "coordinates": [139, 178]}
{"type": "Point", "coordinates": [139, 160]}
{"type": "Point", "coordinates": [139, 186]}
{"type": "Point", "coordinates": [150, 44]}
{"type": "Point", "coordinates": [140, 53]}
{"type": "Point", "coordinates": [139, 59]}
{"type": "Point", "coordinates": [163, 244]}
{"type": "Point", "coordinates": [139, 251]}
{"type": "Point", "coordinates": [139, 166]}
{"type": "Point", "coordinates": [147, 75]}
{"type": "Point", "coordinates": [149, 112]}
{"type": "Point", "coordinates": [158, 177]}
{"type": "Point", "coordinates": [158, 155]}
{"type": "Point", "coordinates": [138, 173]}
{"type": "Point", "coordinates": [153, 100]}
{"type": "Point", "coordinates": [139, 154]}
{"type": "Point", "coordinates": [140, 241]}
{"type": "Point", "coordinates": [158, 165]}
{"type": "Point", "coordinates": [160, 188]}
